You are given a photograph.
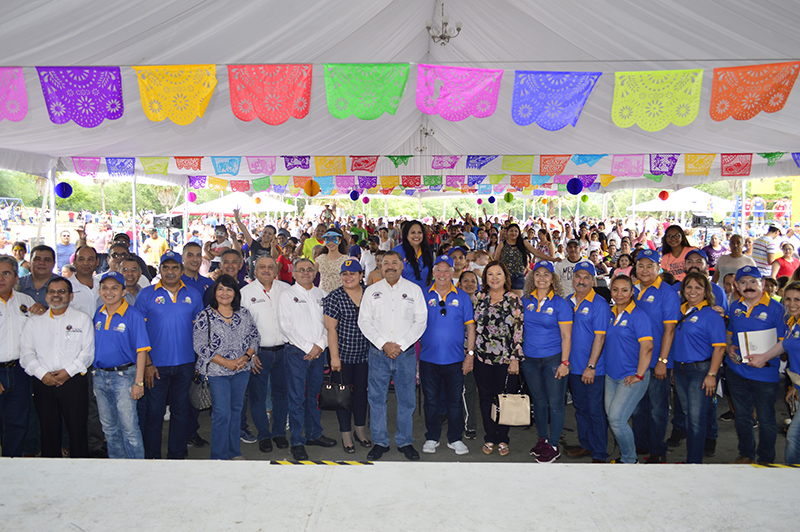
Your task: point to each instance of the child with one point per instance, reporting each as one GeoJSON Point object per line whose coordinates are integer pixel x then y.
{"type": "Point", "coordinates": [480, 262]}
{"type": "Point", "coordinates": [285, 262]}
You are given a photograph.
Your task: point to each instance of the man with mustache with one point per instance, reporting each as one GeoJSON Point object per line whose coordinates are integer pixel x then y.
{"type": "Point", "coordinates": [753, 385]}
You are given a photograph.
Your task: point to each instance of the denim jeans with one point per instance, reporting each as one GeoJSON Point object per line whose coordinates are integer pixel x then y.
{"type": "Point", "coordinates": [117, 411]}
{"type": "Point", "coordinates": [272, 376]}
{"type": "Point", "coordinates": [15, 404]}
{"type": "Point", "coordinates": [403, 370]}
{"type": "Point", "coordinates": [694, 402]}
{"type": "Point", "coordinates": [620, 401]}
{"type": "Point", "coordinates": [590, 414]}
{"type": "Point", "coordinates": [746, 394]}
{"type": "Point", "coordinates": [679, 417]}
{"type": "Point", "coordinates": [651, 416]}
{"type": "Point", "coordinates": [172, 386]}
{"type": "Point", "coordinates": [227, 400]}
{"type": "Point", "coordinates": [548, 394]}
{"type": "Point", "coordinates": [436, 378]}
{"type": "Point", "coordinates": [303, 381]}
{"type": "Point", "coordinates": [793, 442]}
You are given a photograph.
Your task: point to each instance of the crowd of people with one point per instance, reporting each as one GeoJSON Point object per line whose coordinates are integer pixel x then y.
{"type": "Point", "coordinates": [630, 318]}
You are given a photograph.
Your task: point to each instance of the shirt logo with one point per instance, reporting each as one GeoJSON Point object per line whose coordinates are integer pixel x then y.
{"type": "Point", "coordinates": [650, 298]}
{"type": "Point", "coordinates": [187, 299]}
{"type": "Point", "coordinates": [737, 312]}
{"type": "Point", "coordinates": [693, 319]}
{"type": "Point", "coordinates": [549, 311]}
{"type": "Point", "coordinates": [432, 303]}
{"type": "Point", "coordinates": [531, 307]}
{"type": "Point", "coordinates": [120, 327]}
{"type": "Point", "coordinates": [69, 327]}
{"type": "Point", "coordinates": [252, 300]}
{"type": "Point", "coordinates": [454, 303]}
{"type": "Point", "coordinates": [585, 310]}
{"type": "Point", "coordinates": [763, 316]}
{"type": "Point", "coordinates": [376, 295]}
{"type": "Point", "coordinates": [796, 334]}
{"type": "Point", "coordinates": [97, 326]}
{"type": "Point", "coordinates": [405, 296]}
{"type": "Point", "coordinates": [160, 300]}
{"type": "Point", "coordinates": [623, 323]}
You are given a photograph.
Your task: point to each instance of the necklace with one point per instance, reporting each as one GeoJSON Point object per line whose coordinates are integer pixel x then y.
{"type": "Point", "coordinates": [224, 316]}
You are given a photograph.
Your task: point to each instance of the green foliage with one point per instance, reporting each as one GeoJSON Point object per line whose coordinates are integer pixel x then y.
{"type": "Point", "coordinates": [19, 185]}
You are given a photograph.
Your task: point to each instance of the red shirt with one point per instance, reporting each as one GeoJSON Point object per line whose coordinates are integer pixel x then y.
{"type": "Point", "coordinates": [787, 267]}
{"type": "Point", "coordinates": [286, 269]}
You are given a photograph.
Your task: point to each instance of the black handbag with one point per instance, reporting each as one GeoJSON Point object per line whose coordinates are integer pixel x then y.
{"type": "Point", "coordinates": [200, 388]}
{"type": "Point", "coordinates": [335, 396]}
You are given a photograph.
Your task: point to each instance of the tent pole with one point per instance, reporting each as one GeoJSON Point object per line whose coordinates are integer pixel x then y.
{"type": "Point", "coordinates": [559, 206]}
{"type": "Point", "coordinates": [744, 195]}
{"type": "Point", "coordinates": [385, 207]}
{"type": "Point", "coordinates": [186, 212]}
{"type": "Point", "coordinates": [577, 211]}
{"type": "Point", "coordinates": [605, 205]}
{"type": "Point", "coordinates": [133, 216]}
{"type": "Point", "coordinates": [524, 217]}
{"type": "Point", "coordinates": [633, 210]}
{"type": "Point", "coordinates": [51, 176]}
{"type": "Point", "coordinates": [444, 210]}
{"type": "Point", "coordinates": [419, 208]}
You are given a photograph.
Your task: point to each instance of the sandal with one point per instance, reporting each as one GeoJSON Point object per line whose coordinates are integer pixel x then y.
{"type": "Point", "coordinates": [488, 448]}
{"type": "Point", "coordinates": [503, 449]}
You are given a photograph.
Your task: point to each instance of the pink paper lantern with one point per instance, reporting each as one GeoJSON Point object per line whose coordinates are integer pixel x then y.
{"type": "Point", "coordinates": [365, 199]}
{"type": "Point", "coordinates": [191, 196]}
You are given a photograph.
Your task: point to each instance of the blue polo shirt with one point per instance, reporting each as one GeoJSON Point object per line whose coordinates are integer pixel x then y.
{"type": "Point", "coordinates": [408, 269]}
{"type": "Point", "coordinates": [697, 334]}
{"type": "Point", "coordinates": [27, 288]}
{"type": "Point", "coordinates": [765, 315]}
{"type": "Point", "coordinates": [443, 339]}
{"type": "Point", "coordinates": [625, 331]}
{"type": "Point", "coordinates": [118, 337]}
{"type": "Point", "coordinates": [592, 316]}
{"type": "Point", "coordinates": [541, 319]}
{"type": "Point", "coordinates": [170, 322]}
{"type": "Point", "coordinates": [201, 284]}
{"type": "Point", "coordinates": [791, 344]}
{"type": "Point", "coordinates": [720, 297]}
{"type": "Point", "coordinates": [662, 305]}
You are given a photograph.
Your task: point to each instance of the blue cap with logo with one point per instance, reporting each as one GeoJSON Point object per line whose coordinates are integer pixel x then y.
{"type": "Point", "coordinates": [585, 266]}
{"type": "Point", "coordinates": [444, 258]}
{"type": "Point", "coordinates": [113, 275]}
{"type": "Point", "coordinates": [649, 254]}
{"type": "Point", "coordinates": [748, 271]}
{"type": "Point", "coordinates": [351, 265]}
{"type": "Point", "coordinates": [455, 249]}
{"type": "Point", "coordinates": [697, 251]}
{"type": "Point", "coordinates": [171, 255]}
{"type": "Point", "coordinates": [544, 264]}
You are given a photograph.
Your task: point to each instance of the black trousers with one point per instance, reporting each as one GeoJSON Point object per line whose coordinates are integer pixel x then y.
{"type": "Point", "coordinates": [70, 403]}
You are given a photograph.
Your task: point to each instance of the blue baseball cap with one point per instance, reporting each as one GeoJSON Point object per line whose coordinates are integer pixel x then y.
{"type": "Point", "coordinates": [544, 264]}
{"type": "Point", "coordinates": [748, 271]}
{"type": "Point", "coordinates": [697, 252]}
{"type": "Point", "coordinates": [457, 248]}
{"type": "Point", "coordinates": [444, 258]}
{"type": "Point", "coordinates": [649, 254]}
{"type": "Point", "coordinates": [113, 275]}
{"type": "Point", "coordinates": [331, 234]}
{"type": "Point", "coordinates": [351, 265]}
{"type": "Point", "coordinates": [585, 266]}
{"type": "Point", "coordinates": [171, 255]}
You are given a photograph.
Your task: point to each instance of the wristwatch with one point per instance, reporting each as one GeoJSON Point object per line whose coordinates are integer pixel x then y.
{"type": "Point", "coordinates": [471, 353]}
{"type": "Point", "coordinates": [591, 367]}
{"type": "Point", "coordinates": [662, 360]}
{"type": "Point", "coordinates": [140, 384]}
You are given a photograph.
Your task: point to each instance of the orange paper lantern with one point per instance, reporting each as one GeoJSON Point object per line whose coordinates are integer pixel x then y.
{"type": "Point", "coordinates": [258, 200]}
{"type": "Point", "coordinates": [663, 195]}
{"type": "Point", "coordinates": [311, 188]}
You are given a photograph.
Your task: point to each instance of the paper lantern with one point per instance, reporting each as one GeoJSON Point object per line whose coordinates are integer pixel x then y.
{"type": "Point", "coordinates": [63, 190]}
{"type": "Point", "coordinates": [257, 200]}
{"type": "Point", "coordinates": [365, 200]}
{"type": "Point", "coordinates": [491, 199]}
{"type": "Point", "coordinates": [480, 201]}
{"type": "Point", "coordinates": [584, 198]}
{"type": "Point", "coordinates": [509, 197]}
{"type": "Point", "coordinates": [544, 201]}
{"type": "Point", "coordinates": [574, 186]}
{"type": "Point", "coordinates": [718, 216]}
{"type": "Point", "coordinates": [663, 195]}
{"type": "Point", "coordinates": [354, 195]}
{"type": "Point", "coordinates": [192, 197]}
{"type": "Point", "coordinates": [311, 188]}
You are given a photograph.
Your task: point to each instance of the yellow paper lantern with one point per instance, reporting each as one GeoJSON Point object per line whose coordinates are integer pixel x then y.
{"type": "Point", "coordinates": [311, 188]}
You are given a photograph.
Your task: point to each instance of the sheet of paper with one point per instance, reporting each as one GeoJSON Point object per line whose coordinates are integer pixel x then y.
{"type": "Point", "coordinates": [756, 342]}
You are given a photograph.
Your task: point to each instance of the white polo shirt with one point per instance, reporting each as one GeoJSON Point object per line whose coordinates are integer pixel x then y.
{"type": "Point", "coordinates": [393, 313]}
{"type": "Point", "coordinates": [263, 306]}
{"type": "Point", "coordinates": [13, 315]}
{"type": "Point", "coordinates": [301, 318]}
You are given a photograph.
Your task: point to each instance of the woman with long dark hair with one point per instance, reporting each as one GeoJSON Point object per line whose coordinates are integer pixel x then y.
{"type": "Point", "coordinates": [513, 253]}
{"type": "Point", "coordinates": [674, 248]}
{"type": "Point", "coordinates": [330, 263]}
{"type": "Point", "coordinates": [417, 254]}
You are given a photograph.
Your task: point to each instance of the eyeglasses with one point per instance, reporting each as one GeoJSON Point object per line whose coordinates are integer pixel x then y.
{"type": "Point", "coordinates": [443, 310]}
{"type": "Point", "coordinates": [304, 270]}
{"type": "Point", "coordinates": [673, 235]}
{"type": "Point", "coordinates": [61, 292]}
{"type": "Point", "coordinates": [118, 255]}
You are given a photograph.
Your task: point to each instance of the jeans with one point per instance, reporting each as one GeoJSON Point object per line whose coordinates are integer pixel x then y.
{"type": "Point", "coordinates": [355, 376]}
{"type": "Point", "coordinates": [15, 404]}
{"type": "Point", "coordinates": [590, 414]}
{"type": "Point", "coordinates": [227, 400]}
{"type": "Point", "coordinates": [548, 394]}
{"type": "Point", "coordinates": [679, 417]}
{"type": "Point", "coordinates": [436, 378]}
{"type": "Point", "coordinates": [403, 370]}
{"type": "Point", "coordinates": [491, 379]}
{"type": "Point", "coordinates": [651, 416]}
{"type": "Point", "coordinates": [620, 402]}
{"type": "Point", "coordinates": [303, 381]}
{"type": "Point", "coordinates": [793, 442]}
{"type": "Point", "coordinates": [692, 397]}
{"type": "Point", "coordinates": [117, 411]}
{"type": "Point", "coordinates": [172, 386]}
{"type": "Point", "coordinates": [272, 376]}
{"type": "Point", "coordinates": [746, 394]}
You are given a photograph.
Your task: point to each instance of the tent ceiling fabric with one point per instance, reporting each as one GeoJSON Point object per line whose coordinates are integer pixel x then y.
{"type": "Point", "coordinates": [602, 35]}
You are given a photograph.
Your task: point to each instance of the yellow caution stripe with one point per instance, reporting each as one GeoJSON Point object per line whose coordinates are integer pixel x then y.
{"type": "Point", "coordinates": [777, 466]}
{"type": "Point", "coordinates": [318, 462]}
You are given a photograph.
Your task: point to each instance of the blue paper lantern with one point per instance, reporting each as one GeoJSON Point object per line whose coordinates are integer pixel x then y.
{"type": "Point", "coordinates": [63, 190]}
{"type": "Point", "coordinates": [491, 199]}
{"type": "Point", "coordinates": [354, 195]}
{"type": "Point", "coordinates": [574, 186]}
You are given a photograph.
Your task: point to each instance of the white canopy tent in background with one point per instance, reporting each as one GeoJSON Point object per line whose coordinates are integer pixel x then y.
{"type": "Point", "coordinates": [686, 200]}
{"type": "Point", "coordinates": [236, 200]}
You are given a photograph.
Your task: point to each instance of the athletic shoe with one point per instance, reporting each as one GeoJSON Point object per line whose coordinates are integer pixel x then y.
{"type": "Point", "coordinates": [246, 436]}
{"type": "Point", "coordinates": [430, 446]}
{"type": "Point", "coordinates": [727, 416]}
{"type": "Point", "coordinates": [470, 434]}
{"type": "Point", "coordinates": [197, 441]}
{"type": "Point", "coordinates": [539, 448]}
{"type": "Point", "coordinates": [549, 455]}
{"type": "Point", "coordinates": [711, 448]}
{"type": "Point", "coordinates": [458, 447]}
{"type": "Point", "coordinates": [676, 437]}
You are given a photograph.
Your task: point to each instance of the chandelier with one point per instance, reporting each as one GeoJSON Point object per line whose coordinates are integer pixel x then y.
{"type": "Point", "coordinates": [443, 34]}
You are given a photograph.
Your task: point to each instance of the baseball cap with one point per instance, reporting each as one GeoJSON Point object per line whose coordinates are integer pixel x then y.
{"type": "Point", "coordinates": [171, 255]}
{"type": "Point", "coordinates": [331, 234]}
{"type": "Point", "coordinates": [544, 264]}
{"type": "Point", "coordinates": [113, 275]}
{"type": "Point", "coordinates": [351, 265]}
{"type": "Point", "coordinates": [748, 271]}
{"type": "Point", "coordinates": [444, 258]}
{"type": "Point", "coordinates": [574, 241]}
{"type": "Point", "coordinates": [585, 266]}
{"type": "Point", "coordinates": [457, 248]}
{"type": "Point", "coordinates": [772, 228]}
{"type": "Point", "coordinates": [650, 255]}
{"type": "Point", "coordinates": [697, 252]}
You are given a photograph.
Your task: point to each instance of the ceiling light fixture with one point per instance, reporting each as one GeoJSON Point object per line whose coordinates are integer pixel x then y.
{"type": "Point", "coordinates": [443, 34]}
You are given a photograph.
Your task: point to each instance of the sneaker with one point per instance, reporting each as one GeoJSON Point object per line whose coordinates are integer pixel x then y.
{"type": "Point", "coordinates": [197, 441]}
{"type": "Point", "coordinates": [539, 448]}
{"type": "Point", "coordinates": [470, 434]}
{"type": "Point", "coordinates": [430, 446]}
{"type": "Point", "coordinates": [458, 447]}
{"type": "Point", "coordinates": [166, 414]}
{"type": "Point", "coordinates": [727, 416]}
{"type": "Point", "coordinates": [676, 437]}
{"type": "Point", "coordinates": [710, 448]}
{"type": "Point", "coordinates": [569, 397]}
{"type": "Point", "coordinates": [656, 459]}
{"type": "Point", "coordinates": [755, 423]}
{"type": "Point", "coordinates": [549, 455]}
{"type": "Point", "coordinates": [246, 436]}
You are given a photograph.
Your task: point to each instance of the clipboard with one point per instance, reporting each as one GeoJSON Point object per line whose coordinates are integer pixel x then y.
{"type": "Point", "coordinates": [756, 342]}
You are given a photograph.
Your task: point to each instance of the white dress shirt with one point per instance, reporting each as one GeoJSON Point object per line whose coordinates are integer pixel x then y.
{"type": "Point", "coordinates": [301, 318]}
{"type": "Point", "coordinates": [263, 306]}
{"type": "Point", "coordinates": [393, 313]}
{"type": "Point", "coordinates": [12, 319]}
{"type": "Point", "coordinates": [52, 343]}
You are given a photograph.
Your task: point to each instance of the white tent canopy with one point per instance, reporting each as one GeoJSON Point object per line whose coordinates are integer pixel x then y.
{"type": "Point", "coordinates": [236, 200]}
{"type": "Point", "coordinates": [686, 200]}
{"type": "Point", "coordinates": [602, 35]}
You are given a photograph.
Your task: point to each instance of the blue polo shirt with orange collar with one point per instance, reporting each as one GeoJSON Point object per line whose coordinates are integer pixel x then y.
{"type": "Point", "coordinates": [720, 297]}
{"type": "Point", "coordinates": [443, 340]}
{"type": "Point", "coordinates": [592, 316]}
{"type": "Point", "coordinates": [169, 322]}
{"type": "Point", "coordinates": [542, 320]}
{"type": "Point", "coordinates": [408, 268]}
{"type": "Point", "coordinates": [699, 331]}
{"type": "Point", "coordinates": [791, 344]}
{"type": "Point", "coordinates": [119, 336]}
{"type": "Point", "coordinates": [764, 315]}
{"type": "Point", "coordinates": [621, 348]}
{"type": "Point", "coordinates": [662, 305]}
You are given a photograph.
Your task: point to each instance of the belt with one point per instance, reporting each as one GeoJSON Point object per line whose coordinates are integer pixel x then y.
{"type": "Point", "coordinates": [10, 364]}
{"type": "Point", "coordinates": [273, 348]}
{"type": "Point", "coordinates": [695, 362]}
{"type": "Point", "coordinates": [118, 368]}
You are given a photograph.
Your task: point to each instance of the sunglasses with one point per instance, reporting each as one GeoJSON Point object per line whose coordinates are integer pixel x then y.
{"type": "Point", "coordinates": [443, 310]}
{"type": "Point", "coordinates": [331, 239]}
